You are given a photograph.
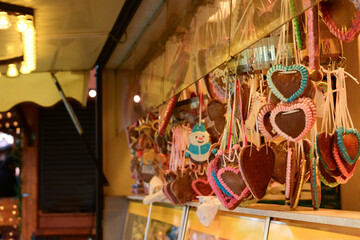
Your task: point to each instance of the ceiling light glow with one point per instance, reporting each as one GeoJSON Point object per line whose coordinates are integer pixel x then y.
{"type": "Point", "coordinates": [21, 23]}
{"type": "Point", "coordinates": [92, 93]}
{"type": "Point", "coordinates": [137, 98]}
{"type": "Point", "coordinates": [4, 21]}
{"type": "Point", "coordinates": [12, 71]}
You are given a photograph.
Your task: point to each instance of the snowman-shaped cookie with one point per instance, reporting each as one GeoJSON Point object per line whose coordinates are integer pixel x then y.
{"type": "Point", "coordinates": [198, 151]}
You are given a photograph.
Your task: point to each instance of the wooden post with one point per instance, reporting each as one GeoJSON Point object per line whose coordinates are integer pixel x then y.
{"type": "Point", "coordinates": [30, 173]}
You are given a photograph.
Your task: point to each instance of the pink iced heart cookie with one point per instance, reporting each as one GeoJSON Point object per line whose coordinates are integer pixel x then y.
{"type": "Point", "coordinates": [292, 121]}
{"type": "Point", "coordinates": [230, 178]}
{"type": "Point", "coordinates": [202, 187]}
{"type": "Point", "coordinates": [263, 119]}
{"type": "Point", "coordinates": [228, 201]}
{"type": "Point", "coordinates": [342, 18]}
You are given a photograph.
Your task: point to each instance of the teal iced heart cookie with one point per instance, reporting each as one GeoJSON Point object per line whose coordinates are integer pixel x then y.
{"type": "Point", "coordinates": [287, 82]}
{"type": "Point", "coordinates": [349, 148]}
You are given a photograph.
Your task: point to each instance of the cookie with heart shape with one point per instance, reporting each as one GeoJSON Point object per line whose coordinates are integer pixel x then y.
{"type": "Point", "coordinates": [292, 121]}
{"type": "Point", "coordinates": [264, 123]}
{"type": "Point", "coordinates": [326, 178]}
{"type": "Point", "coordinates": [181, 186]}
{"type": "Point", "coordinates": [256, 167]}
{"type": "Point", "coordinates": [169, 194]}
{"type": "Point", "coordinates": [346, 169]}
{"type": "Point", "coordinates": [324, 150]}
{"type": "Point", "coordinates": [202, 187]}
{"type": "Point", "coordinates": [348, 141]}
{"type": "Point", "coordinates": [230, 178]}
{"type": "Point", "coordinates": [339, 15]}
{"type": "Point", "coordinates": [224, 197]}
{"type": "Point", "coordinates": [281, 152]}
{"type": "Point", "coordinates": [216, 111]}
{"type": "Point", "coordinates": [287, 82]}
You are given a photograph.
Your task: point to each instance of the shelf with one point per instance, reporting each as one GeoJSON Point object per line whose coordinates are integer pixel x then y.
{"type": "Point", "coordinates": [304, 214]}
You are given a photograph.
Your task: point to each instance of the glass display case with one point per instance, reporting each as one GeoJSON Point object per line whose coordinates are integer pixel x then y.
{"type": "Point", "coordinates": [257, 221]}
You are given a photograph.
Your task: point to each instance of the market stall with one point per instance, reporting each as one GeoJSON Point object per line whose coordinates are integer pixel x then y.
{"type": "Point", "coordinates": [240, 122]}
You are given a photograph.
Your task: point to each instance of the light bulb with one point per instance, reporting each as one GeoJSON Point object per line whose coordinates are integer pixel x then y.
{"type": "Point", "coordinates": [92, 93]}
{"type": "Point", "coordinates": [137, 98]}
{"type": "Point", "coordinates": [21, 23]}
{"type": "Point", "coordinates": [12, 71]}
{"type": "Point", "coordinates": [23, 68]}
{"type": "Point", "coordinates": [29, 46]}
{"type": "Point", "coordinates": [4, 21]}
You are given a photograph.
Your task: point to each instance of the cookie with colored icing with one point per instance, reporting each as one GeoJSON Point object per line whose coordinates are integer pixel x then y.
{"type": "Point", "coordinates": [292, 121]}
{"type": "Point", "coordinates": [340, 15]}
{"type": "Point", "coordinates": [348, 141]}
{"type": "Point", "coordinates": [225, 197]}
{"type": "Point", "coordinates": [287, 82]}
{"type": "Point", "coordinates": [263, 119]}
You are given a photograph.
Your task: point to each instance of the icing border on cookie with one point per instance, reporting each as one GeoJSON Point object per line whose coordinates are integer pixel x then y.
{"type": "Point", "coordinates": [282, 68]}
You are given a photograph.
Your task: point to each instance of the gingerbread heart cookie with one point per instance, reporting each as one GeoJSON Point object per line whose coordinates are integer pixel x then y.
{"type": "Point", "coordinates": [324, 150]}
{"type": "Point", "coordinates": [287, 82]}
{"type": "Point", "coordinates": [292, 121]}
{"type": "Point", "coordinates": [230, 178]}
{"type": "Point", "coordinates": [342, 18]}
{"type": "Point", "coordinates": [256, 166]}
{"type": "Point", "coordinates": [225, 197]}
{"type": "Point", "coordinates": [202, 187]}
{"type": "Point", "coordinates": [346, 169]}
{"type": "Point", "coordinates": [181, 187]}
{"type": "Point", "coordinates": [348, 141]}
{"type": "Point", "coordinates": [216, 111]}
{"type": "Point", "coordinates": [281, 152]}
{"type": "Point", "coordinates": [263, 119]}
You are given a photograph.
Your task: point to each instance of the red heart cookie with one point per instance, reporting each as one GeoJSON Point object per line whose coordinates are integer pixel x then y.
{"type": "Point", "coordinates": [230, 178]}
{"type": "Point", "coordinates": [324, 150]}
{"type": "Point", "coordinates": [202, 187]}
{"type": "Point", "coordinates": [256, 166]}
{"type": "Point", "coordinates": [263, 119]}
{"type": "Point", "coordinates": [228, 201]}
{"type": "Point", "coordinates": [292, 121]}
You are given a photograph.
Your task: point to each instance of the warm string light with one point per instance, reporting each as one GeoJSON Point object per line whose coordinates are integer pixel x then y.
{"type": "Point", "coordinates": [25, 26]}
{"type": "Point", "coordinates": [28, 37]}
{"type": "Point", "coordinates": [12, 70]}
{"type": "Point", "coordinates": [4, 21]}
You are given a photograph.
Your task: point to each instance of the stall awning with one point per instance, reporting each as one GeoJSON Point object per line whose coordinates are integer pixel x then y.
{"type": "Point", "coordinates": [39, 88]}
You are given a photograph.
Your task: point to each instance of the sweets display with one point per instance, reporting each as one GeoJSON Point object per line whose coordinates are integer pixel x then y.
{"type": "Point", "coordinates": [287, 124]}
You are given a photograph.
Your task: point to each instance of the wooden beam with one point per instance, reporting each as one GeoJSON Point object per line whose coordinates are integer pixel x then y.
{"type": "Point", "coordinates": [29, 174]}
{"type": "Point", "coordinates": [66, 220]}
